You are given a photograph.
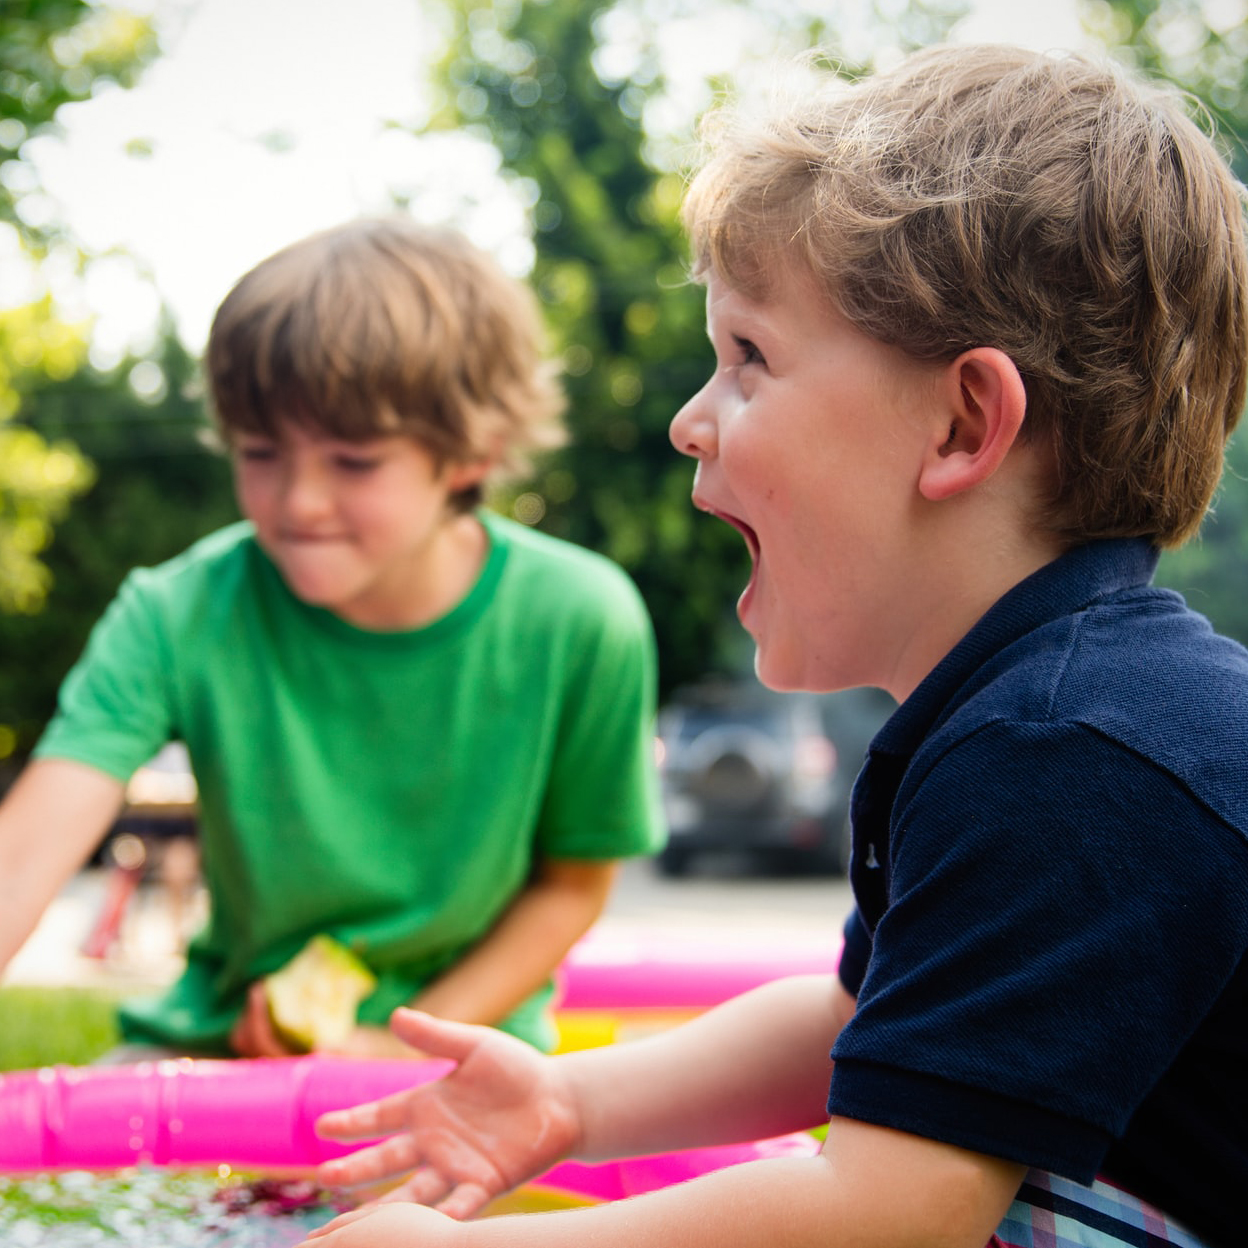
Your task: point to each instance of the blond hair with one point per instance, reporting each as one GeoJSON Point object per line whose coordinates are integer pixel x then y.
{"type": "Point", "coordinates": [1049, 206]}
{"type": "Point", "coordinates": [384, 326]}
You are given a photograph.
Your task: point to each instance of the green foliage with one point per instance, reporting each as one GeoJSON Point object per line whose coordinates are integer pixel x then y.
{"type": "Point", "coordinates": [46, 1026]}
{"type": "Point", "coordinates": [37, 478]}
{"type": "Point", "coordinates": [160, 486]}
{"type": "Point", "coordinates": [1201, 46]}
{"type": "Point", "coordinates": [1212, 571]}
{"type": "Point", "coordinates": [55, 52]}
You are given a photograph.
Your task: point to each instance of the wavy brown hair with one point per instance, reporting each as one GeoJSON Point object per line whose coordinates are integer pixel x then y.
{"type": "Point", "coordinates": [383, 326]}
{"type": "Point", "coordinates": [1053, 207]}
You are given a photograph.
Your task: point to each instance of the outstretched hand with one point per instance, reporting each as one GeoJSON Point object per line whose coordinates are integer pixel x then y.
{"type": "Point", "coordinates": [502, 1116]}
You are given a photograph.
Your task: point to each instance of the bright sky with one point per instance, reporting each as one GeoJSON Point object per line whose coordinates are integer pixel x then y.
{"type": "Point", "coordinates": [265, 120]}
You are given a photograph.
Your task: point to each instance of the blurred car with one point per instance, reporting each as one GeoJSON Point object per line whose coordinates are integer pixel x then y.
{"type": "Point", "coordinates": [744, 768]}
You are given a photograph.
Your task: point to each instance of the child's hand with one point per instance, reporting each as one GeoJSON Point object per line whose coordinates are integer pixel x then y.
{"type": "Point", "coordinates": [502, 1116]}
{"type": "Point", "coordinates": [253, 1035]}
{"type": "Point", "coordinates": [385, 1226]}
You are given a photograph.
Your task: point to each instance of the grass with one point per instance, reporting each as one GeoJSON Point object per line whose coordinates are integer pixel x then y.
{"type": "Point", "coordinates": [45, 1026]}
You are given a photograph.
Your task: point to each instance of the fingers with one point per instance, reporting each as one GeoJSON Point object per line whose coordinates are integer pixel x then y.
{"type": "Point", "coordinates": [369, 1120]}
{"type": "Point", "coordinates": [426, 1187]}
{"type": "Point", "coordinates": [437, 1036]}
{"type": "Point", "coordinates": [465, 1201]}
{"type": "Point", "coordinates": [391, 1157]}
{"type": "Point", "coordinates": [253, 1034]}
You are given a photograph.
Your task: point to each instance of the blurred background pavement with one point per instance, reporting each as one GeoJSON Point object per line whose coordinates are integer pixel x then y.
{"type": "Point", "coordinates": [725, 902]}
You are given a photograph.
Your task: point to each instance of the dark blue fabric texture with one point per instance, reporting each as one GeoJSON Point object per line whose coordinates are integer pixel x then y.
{"type": "Point", "coordinates": [1051, 869]}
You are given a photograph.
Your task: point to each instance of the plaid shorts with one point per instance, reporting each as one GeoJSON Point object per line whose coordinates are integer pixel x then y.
{"type": "Point", "coordinates": [1052, 1212]}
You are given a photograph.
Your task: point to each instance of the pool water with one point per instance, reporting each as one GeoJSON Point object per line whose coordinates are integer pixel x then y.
{"type": "Point", "coordinates": [154, 1208]}
{"type": "Point", "coordinates": [151, 1208]}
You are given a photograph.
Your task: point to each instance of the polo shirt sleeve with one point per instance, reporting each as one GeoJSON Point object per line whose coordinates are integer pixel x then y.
{"type": "Point", "coordinates": [1035, 971]}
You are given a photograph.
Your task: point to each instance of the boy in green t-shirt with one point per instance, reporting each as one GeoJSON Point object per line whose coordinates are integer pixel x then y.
{"type": "Point", "coordinates": [416, 727]}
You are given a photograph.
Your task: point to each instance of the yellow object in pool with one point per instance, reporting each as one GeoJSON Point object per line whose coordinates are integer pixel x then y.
{"type": "Point", "coordinates": [591, 1029]}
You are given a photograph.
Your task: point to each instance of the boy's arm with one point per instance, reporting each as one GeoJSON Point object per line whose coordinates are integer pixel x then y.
{"type": "Point", "coordinates": [871, 1187]}
{"type": "Point", "coordinates": [52, 818]}
{"type": "Point", "coordinates": [506, 1112]}
{"type": "Point", "coordinates": [511, 962]}
{"type": "Point", "coordinates": [519, 953]}
{"type": "Point", "coordinates": [755, 1066]}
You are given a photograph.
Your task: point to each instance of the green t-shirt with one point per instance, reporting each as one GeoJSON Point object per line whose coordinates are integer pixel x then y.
{"type": "Point", "coordinates": [390, 789]}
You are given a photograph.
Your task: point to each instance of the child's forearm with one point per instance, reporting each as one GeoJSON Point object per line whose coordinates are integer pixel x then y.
{"type": "Point", "coordinates": [754, 1067]}
{"type": "Point", "coordinates": [53, 817]}
{"type": "Point", "coordinates": [517, 956]}
{"type": "Point", "coordinates": [873, 1189]}
{"type": "Point", "coordinates": [779, 1204]}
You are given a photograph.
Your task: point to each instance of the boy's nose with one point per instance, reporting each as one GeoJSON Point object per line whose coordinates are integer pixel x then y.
{"type": "Point", "coordinates": [693, 430]}
{"type": "Point", "coordinates": [305, 495]}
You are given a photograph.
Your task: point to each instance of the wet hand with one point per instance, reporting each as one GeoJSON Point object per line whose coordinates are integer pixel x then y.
{"type": "Point", "coordinates": [503, 1115]}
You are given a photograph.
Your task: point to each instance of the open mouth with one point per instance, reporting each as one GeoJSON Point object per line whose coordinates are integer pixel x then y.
{"type": "Point", "coordinates": [751, 538]}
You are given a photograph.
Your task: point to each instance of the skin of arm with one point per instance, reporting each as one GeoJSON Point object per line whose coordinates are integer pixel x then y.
{"type": "Point", "coordinates": [512, 961]}
{"type": "Point", "coordinates": [55, 814]}
{"type": "Point", "coordinates": [869, 1187]}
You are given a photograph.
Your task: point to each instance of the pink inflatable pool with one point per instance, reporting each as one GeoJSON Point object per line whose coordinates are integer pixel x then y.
{"type": "Point", "coordinates": [260, 1115]}
{"type": "Point", "coordinates": [605, 972]}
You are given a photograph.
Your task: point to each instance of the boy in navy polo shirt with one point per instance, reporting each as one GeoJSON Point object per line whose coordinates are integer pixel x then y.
{"type": "Point", "coordinates": [981, 334]}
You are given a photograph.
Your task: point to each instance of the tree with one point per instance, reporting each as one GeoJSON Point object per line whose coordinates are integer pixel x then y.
{"type": "Point", "coordinates": [564, 91]}
{"type": "Point", "coordinates": [37, 478]}
{"type": "Point", "coordinates": [160, 486]}
{"type": "Point", "coordinates": [55, 52]}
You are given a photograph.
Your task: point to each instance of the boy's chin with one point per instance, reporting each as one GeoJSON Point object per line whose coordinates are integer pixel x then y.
{"type": "Point", "coordinates": [781, 677]}
{"type": "Point", "coordinates": [785, 675]}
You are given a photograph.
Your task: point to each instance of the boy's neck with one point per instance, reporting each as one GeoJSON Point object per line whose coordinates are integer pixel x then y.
{"type": "Point", "coordinates": [957, 599]}
{"type": "Point", "coordinates": [972, 551]}
{"type": "Point", "coordinates": [448, 569]}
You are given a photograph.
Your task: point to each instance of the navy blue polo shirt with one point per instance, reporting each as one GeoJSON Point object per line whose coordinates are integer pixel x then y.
{"type": "Point", "coordinates": [1051, 870]}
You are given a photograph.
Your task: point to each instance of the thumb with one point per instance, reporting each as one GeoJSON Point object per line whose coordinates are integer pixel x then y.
{"type": "Point", "coordinates": [438, 1037]}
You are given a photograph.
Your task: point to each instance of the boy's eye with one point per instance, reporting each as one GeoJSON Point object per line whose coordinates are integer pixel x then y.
{"type": "Point", "coordinates": [357, 463]}
{"type": "Point", "coordinates": [748, 352]}
{"type": "Point", "coordinates": [256, 452]}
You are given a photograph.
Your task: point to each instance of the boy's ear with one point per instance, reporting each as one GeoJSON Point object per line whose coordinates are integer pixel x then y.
{"type": "Point", "coordinates": [983, 402]}
{"type": "Point", "coordinates": [464, 474]}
